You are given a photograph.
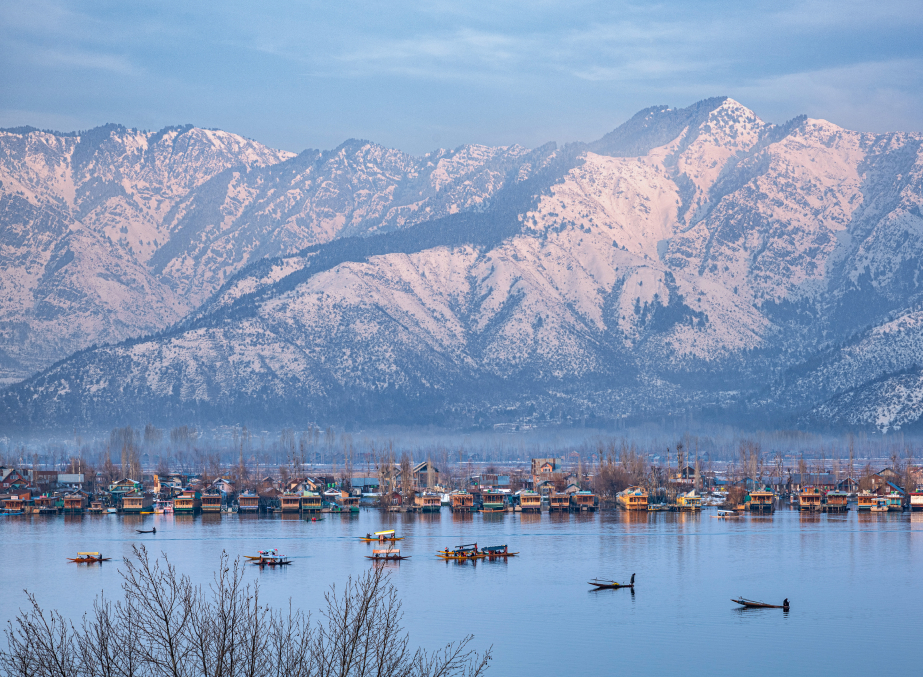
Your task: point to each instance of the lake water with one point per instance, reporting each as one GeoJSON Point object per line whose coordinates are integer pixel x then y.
{"type": "Point", "coordinates": [854, 582]}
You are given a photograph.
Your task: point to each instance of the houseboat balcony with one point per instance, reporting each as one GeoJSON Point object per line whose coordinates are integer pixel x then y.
{"type": "Point", "coordinates": [290, 502]}
{"type": "Point", "coordinates": [461, 502]}
{"type": "Point", "coordinates": [428, 502]}
{"type": "Point", "coordinates": [809, 500]}
{"type": "Point", "coordinates": [530, 502]}
{"type": "Point", "coordinates": [74, 505]}
{"type": "Point", "coordinates": [583, 501]}
{"type": "Point", "coordinates": [137, 503]}
{"type": "Point", "coordinates": [211, 503]}
{"type": "Point", "coordinates": [248, 503]}
{"type": "Point", "coordinates": [188, 503]}
{"type": "Point", "coordinates": [865, 501]}
{"type": "Point", "coordinates": [633, 498]}
{"type": "Point", "coordinates": [558, 502]}
{"type": "Point", "coordinates": [837, 501]}
{"type": "Point", "coordinates": [762, 501]}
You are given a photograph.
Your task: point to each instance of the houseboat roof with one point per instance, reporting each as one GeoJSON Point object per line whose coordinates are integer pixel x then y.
{"type": "Point", "coordinates": [386, 532]}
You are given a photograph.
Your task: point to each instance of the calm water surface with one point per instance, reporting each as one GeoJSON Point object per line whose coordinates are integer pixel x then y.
{"type": "Point", "coordinates": [853, 581]}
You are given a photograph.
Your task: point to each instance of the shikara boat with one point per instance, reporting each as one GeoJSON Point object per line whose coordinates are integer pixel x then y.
{"type": "Point", "coordinates": [726, 514]}
{"type": "Point", "coordinates": [273, 561]}
{"type": "Point", "coordinates": [750, 604]}
{"type": "Point", "coordinates": [612, 585]}
{"type": "Point", "coordinates": [88, 558]}
{"type": "Point", "coordinates": [492, 551]}
{"type": "Point", "coordinates": [261, 554]}
{"type": "Point", "coordinates": [381, 537]}
{"type": "Point", "coordinates": [389, 555]}
{"type": "Point", "coordinates": [462, 552]}
{"type": "Point", "coordinates": [148, 531]}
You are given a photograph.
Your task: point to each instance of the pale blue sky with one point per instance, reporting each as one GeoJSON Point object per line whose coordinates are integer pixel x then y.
{"type": "Point", "coordinates": [419, 75]}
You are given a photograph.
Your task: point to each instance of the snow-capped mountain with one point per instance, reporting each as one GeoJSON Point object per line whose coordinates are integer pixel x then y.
{"type": "Point", "coordinates": [115, 233]}
{"type": "Point", "coordinates": [693, 260]}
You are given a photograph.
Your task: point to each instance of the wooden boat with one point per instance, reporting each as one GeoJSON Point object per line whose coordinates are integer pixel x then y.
{"type": "Point", "coordinates": [879, 504]}
{"type": "Point", "coordinates": [147, 531]}
{"type": "Point", "coordinates": [725, 514]}
{"type": "Point", "coordinates": [612, 585]}
{"type": "Point", "coordinates": [381, 537]}
{"type": "Point", "coordinates": [492, 551]}
{"type": "Point", "coordinates": [461, 552]}
{"type": "Point", "coordinates": [88, 558]}
{"type": "Point", "coordinates": [273, 561]}
{"type": "Point", "coordinates": [750, 604]}
{"type": "Point", "coordinates": [389, 555]}
{"type": "Point", "coordinates": [263, 553]}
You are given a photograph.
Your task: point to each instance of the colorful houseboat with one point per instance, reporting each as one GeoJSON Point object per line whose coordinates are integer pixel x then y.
{"type": "Point", "coordinates": [211, 503]}
{"type": "Point", "coordinates": [633, 498]}
{"type": "Point", "coordinates": [188, 503]}
{"type": "Point", "coordinates": [311, 502]}
{"type": "Point", "coordinates": [74, 504]}
{"type": "Point", "coordinates": [492, 501]}
{"type": "Point", "coordinates": [689, 502]}
{"type": "Point", "coordinates": [916, 500]}
{"type": "Point", "coordinates": [137, 503]}
{"type": "Point", "coordinates": [248, 502]}
{"type": "Point", "coordinates": [809, 499]}
{"type": "Point", "coordinates": [761, 501]}
{"type": "Point", "coordinates": [865, 500]}
{"type": "Point", "coordinates": [427, 502]}
{"type": "Point", "coordinates": [529, 501]}
{"type": "Point", "coordinates": [836, 501]}
{"type": "Point", "coordinates": [290, 502]}
{"type": "Point", "coordinates": [583, 501]}
{"type": "Point", "coordinates": [461, 501]}
{"type": "Point", "coordinates": [558, 501]}
{"type": "Point", "coordinates": [895, 501]}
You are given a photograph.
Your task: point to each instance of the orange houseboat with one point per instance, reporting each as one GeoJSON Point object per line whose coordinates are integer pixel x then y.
{"type": "Point", "coordinates": [837, 501]}
{"type": "Point", "coordinates": [633, 498]}
{"type": "Point", "coordinates": [248, 503]}
{"type": "Point", "coordinates": [137, 503]}
{"type": "Point", "coordinates": [311, 502]}
{"type": "Point", "coordinates": [188, 503]}
{"type": "Point", "coordinates": [428, 502]}
{"type": "Point", "coordinates": [762, 501]}
{"type": "Point", "coordinates": [530, 501]}
{"type": "Point", "coordinates": [211, 503]}
{"type": "Point", "coordinates": [15, 504]}
{"type": "Point", "coordinates": [865, 500]}
{"type": "Point", "coordinates": [583, 501]}
{"type": "Point", "coordinates": [809, 499]}
{"type": "Point", "coordinates": [74, 504]}
{"type": "Point", "coordinates": [290, 502]}
{"type": "Point", "coordinates": [462, 502]}
{"type": "Point", "coordinates": [558, 502]}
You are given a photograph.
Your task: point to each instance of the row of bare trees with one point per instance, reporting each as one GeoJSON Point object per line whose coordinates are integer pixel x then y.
{"type": "Point", "coordinates": [164, 626]}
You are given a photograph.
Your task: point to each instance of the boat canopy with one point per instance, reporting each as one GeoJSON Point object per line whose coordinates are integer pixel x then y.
{"type": "Point", "coordinates": [387, 532]}
{"type": "Point", "coordinates": [93, 554]}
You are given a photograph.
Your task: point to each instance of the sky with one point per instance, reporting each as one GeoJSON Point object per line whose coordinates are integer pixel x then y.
{"type": "Point", "coordinates": [422, 75]}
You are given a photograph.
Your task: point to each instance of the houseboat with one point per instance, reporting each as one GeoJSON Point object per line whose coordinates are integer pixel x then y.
{"type": "Point", "coordinates": [428, 502]}
{"type": "Point", "coordinates": [461, 501]}
{"type": "Point", "coordinates": [836, 501]}
{"type": "Point", "coordinates": [895, 501]}
{"type": "Point", "coordinates": [558, 501]}
{"type": "Point", "coordinates": [137, 503]}
{"type": "Point", "coordinates": [688, 502]}
{"type": "Point", "coordinates": [529, 501]}
{"type": "Point", "coordinates": [162, 507]}
{"type": "Point", "coordinates": [248, 502]}
{"type": "Point", "coordinates": [46, 505]}
{"type": "Point", "coordinates": [865, 500]}
{"type": "Point", "coordinates": [15, 504]}
{"type": "Point", "coordinates": [916, 500]}
{"type": "Point", "coordinates": [809, 499]}
{"type": "Point", "coordinates": [347, 503]}
{"type": "Point", "coordinates": [211, 503]}
{"type": "Point", "coordinates": [290, 502]}
{"type": "Point", "coordinates": [583, 501]}
{"type": "Point", "coordinates": [492, 501]}
{"type": "Point", "coordinates": [311, 502]}
{"type": "Point", "coordinates": [188, 503]}
{"type": "Point", "coordinates": [633, 498]}
{"type": "Point", "coordinates": [97, 507]}
{"type": "Point", "coordinates": [74, 504]}
{"type": "Point", "coordinates": [762, 501]}
{"type": "Point", "coordinates": [879, 504]}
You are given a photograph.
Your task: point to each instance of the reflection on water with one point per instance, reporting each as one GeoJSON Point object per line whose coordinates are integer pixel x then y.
{"type": "Point", "coordinates": [848, 576]}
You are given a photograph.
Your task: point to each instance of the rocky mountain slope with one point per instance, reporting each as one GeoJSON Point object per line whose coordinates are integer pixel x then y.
{"type": "Point", "coordinates": [114, 233]}
{"type": "Point", "coordinates": [694, 259]}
